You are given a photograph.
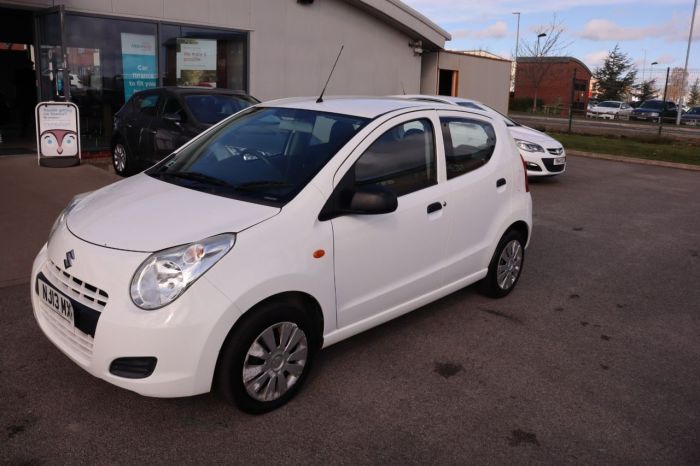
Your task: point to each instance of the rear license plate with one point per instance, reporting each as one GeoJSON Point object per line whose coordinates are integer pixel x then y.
{"type": "Point", "coordinates": [57, 301]}
{"type": "Point", "coordinates": [560, 161]}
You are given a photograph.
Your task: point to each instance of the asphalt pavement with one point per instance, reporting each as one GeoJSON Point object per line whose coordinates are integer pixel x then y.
{"type": "Point", "coordinates": [593, 359]}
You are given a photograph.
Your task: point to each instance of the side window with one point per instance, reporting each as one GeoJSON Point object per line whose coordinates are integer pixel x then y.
{"type": "Point", "coordinates": [173, 107]}
{"type": "Point", "coordinates": [469, 144]}
{"type": "Point", "coordinates": [402, 159]}
{"type": "Point", "coordinates": [147, 104]}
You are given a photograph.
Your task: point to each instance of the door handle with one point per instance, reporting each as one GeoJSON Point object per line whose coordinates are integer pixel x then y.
{"type": "Point", "coordinates": [434, 207]}
{"type": "Point", "coordinates": [500, 182]}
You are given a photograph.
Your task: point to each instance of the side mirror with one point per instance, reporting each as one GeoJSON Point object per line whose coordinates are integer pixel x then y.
{"type": "Point", "coordinates": [373, 200]}
{"type": "Point", "coordinates": [369, 200]}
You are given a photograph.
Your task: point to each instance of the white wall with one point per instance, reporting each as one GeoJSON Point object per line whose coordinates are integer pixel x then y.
{"type": "Point", "coordinates": [292, 46]}
{"type": "Point", "coordinates": [480, 78]}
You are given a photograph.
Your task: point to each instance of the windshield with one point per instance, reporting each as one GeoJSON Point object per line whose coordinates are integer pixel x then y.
{"type": "Point", "coordinates": [694, 111]}
{"type": "Point", "coordinates": [264, 155]}
{"type": "Point", "coordinates": [653, 104]}
{"type": "Point", "coordinates": [609, 104]}
{"type": "Point", "coordinates": [212, 108]}
{"type": "Point", "coordinates": [483, 107]}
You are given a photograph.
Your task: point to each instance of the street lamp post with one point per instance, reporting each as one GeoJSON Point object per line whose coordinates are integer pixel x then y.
{"type": "Point", "coordinates": [517, 48]}
{"type": "Point", "coordinates": [685, 69]}
{"type": "Point", "coordinates": [538, 59]}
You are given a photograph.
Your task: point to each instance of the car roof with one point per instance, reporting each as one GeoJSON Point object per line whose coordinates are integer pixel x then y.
{"type": "Point", "coordinates": [365, 107]}
{"type": "Point", "coordinates": [437, 98]}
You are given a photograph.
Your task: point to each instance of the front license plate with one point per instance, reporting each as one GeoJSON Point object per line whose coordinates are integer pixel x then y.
{"type": "Point", "coordinates": [55, 300]}
{"type": "Point", "coordinates": [560, 161]}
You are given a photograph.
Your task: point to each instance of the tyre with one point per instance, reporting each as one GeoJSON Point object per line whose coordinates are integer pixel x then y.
{"type": "Point", "coordinates": [266, 358]}
{"type": "Point", "coordinates": [121, 160]}
{"type": "Point", "coordinates": [505, 267]}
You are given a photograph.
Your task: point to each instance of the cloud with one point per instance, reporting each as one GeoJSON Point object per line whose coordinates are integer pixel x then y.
{"type": "Point", "coordinates": [595, 59]}
{"type": "Point", "coordinates": [604, 30]}
{"type": "Point", "coordinates": [495, 31]}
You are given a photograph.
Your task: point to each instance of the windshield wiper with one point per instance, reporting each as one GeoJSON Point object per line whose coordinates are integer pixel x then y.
{"type": "Point", "coordinates": [261, 184]}
{"type": "Point", "coordinates": [197, 176]}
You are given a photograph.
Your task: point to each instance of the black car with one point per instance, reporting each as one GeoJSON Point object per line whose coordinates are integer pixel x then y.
{"type": "Point", "coordinates": [654, 110]}
{"type": "Point", "coordinates": [153, 123]}
{"type": "Point", "coordinates": [691, 117]}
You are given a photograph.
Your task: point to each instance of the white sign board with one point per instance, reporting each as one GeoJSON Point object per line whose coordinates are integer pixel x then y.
{"type": "Point", "coordinates": [196, 62]}
{"type": "Point", "coordinates": [58, 134]}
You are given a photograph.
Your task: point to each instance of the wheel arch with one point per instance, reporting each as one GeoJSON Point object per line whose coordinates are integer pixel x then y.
{"type": "Point", "coordinates": [303, 300]}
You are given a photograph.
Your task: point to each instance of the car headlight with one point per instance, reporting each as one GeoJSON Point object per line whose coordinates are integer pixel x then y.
{"type": "Point", "coordinates": [654, 114]}
{"type": "Point", "coordinates": [165, 275]}
{"type": "Point", "coordinates": [529, 146]}
{"type": "Point", "coordinates": [64, 214]}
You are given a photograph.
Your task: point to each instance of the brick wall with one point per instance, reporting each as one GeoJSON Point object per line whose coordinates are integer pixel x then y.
{"type": "Point", "coordinates": [556, 83]}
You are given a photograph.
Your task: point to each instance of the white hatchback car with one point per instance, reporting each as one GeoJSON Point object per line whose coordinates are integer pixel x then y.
{"type": "Point", "coordinates": [543, 155]}
{"type": "Point", "coordinates": [285, 228]}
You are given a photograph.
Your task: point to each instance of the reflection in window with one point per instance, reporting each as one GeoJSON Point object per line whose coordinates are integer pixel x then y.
{"type": "Point", "coordinates": [469, 144]}
{"type": "Point", "coordinates": [402, 159]}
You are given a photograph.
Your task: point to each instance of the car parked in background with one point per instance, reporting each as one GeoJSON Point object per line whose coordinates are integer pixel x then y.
{"type": "Point", "coordinates": [155, 122]}
{"type": "Point", "coordinates": [655, 110]}
{"type": "Point", "coordinates": [691, 117]}
{"type": "Point", "coordinates": [289, 227]}
{"type": "Point", "coordinates": [610, 109]}
{"type": "Point", "coordinates": [542, 154]}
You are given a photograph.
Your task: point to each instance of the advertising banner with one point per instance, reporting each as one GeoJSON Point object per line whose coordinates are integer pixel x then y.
{"type": "Point", "coordinates": [57, 134]}
{"type": "Point", "coordinates": [196, 62]}
{"type": "Point", "coordinates": [139, 67]}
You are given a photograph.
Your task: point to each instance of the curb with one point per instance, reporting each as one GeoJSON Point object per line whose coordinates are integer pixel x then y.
{"type": "Point", "coordinates": [622, 158]}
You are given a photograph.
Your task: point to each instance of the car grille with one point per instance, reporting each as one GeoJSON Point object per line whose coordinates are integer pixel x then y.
{"type": "Point", "coordinates": [88, 302]}
{"type": "Point", "coordinates": [557, 151]}
{"type": "Point", "coordinates": [75, 288]}
{"type": "Point", "coordinates": [549, 164]}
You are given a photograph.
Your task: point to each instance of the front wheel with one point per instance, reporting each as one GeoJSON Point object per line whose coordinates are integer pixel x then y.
{"type": "Point", "coordinates": [121, 160]}
{"type": "Point", "coordinates": [505, 267]}
{"type": "Point", "coordinates": [266, 359]}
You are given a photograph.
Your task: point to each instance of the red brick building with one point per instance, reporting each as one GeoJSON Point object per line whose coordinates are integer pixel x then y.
{"type": "Point", "coordinates": [552, 79]}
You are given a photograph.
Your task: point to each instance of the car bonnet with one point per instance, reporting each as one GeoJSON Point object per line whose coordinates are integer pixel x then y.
{"type": "Point", "coordinates": [144, 214]}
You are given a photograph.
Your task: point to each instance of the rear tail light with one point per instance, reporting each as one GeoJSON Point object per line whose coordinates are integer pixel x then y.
{"type": "Point", "coordinates": [527, 184]}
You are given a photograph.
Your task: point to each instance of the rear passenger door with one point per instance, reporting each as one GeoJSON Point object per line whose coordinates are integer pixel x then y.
{"type": "Point", "coordinates": [479, 184]}
{"type": "Point", "coordinates": [170, 127]}
{"type": "Point", "coordinates": [385, 262]}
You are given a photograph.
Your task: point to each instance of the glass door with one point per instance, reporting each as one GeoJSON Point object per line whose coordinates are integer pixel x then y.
{"type": "Point", "coordinates": [53, 75]}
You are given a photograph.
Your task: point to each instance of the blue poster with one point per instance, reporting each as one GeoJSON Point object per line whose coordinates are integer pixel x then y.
{"type": "Point", "coordinates": [139, 67]}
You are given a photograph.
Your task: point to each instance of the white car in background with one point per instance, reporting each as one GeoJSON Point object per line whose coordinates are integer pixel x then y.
{"type": "Point", "coordinates": [611, 110]}
{"type": "Point", "coordinates": [543, 155]}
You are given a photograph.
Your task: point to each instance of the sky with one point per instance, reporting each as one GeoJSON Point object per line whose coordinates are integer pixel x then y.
{"type": "Point", "coordinates": [657, 30]}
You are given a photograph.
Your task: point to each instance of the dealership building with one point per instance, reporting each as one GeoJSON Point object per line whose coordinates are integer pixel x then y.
{"type": "Point", "coordinates": [96, 53]}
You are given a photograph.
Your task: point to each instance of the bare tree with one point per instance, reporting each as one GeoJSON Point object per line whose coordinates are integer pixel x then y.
{"type": "Point", "coordinates": [548, 43]}
{"type": "Point", "coordinates": [676, 81]}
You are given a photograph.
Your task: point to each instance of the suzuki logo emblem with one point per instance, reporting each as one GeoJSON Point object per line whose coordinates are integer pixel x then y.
{"type": "Point", "coordinates": [68, 261]}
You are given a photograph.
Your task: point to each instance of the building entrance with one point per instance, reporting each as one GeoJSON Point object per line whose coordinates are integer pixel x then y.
{"type": "Point", "coordinates": [18, 89]}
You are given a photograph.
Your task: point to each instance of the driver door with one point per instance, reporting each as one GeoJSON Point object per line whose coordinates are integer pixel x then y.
{"type": "Point", "coordinates": [386, 263]}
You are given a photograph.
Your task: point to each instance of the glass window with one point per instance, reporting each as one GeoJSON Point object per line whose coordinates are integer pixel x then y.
{"type": "Point", "coordinates": [147, 104]}
{"type": "Point", "coordinates": [264, 155]}
{"type": "Point", "coordinates": [402, 159]}
{"type": "Point", "coordinates": [192, 56]}
{"type": "Point", "coordinates": [172, 107]}
{"type": "Point", "coordinates": [212, 108]}
{"type": "Point", "coordinates": [108, 60]}
{"type": "Point", "coordinates": [469, 144]}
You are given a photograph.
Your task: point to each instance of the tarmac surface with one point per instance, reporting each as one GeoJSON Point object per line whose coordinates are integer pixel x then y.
{"type": "Point", "coordinates": [593, 359]}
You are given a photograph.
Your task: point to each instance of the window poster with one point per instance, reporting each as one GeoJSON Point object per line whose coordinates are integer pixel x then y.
{"type": "Point", "coordinates": [196, 62]}
{"type": "Point", "coordinates": [139, 67]}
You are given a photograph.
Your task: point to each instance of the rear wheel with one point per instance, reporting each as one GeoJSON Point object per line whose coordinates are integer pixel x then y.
{"type": "Point", "coordinates": [505, 267]}
{"type": "Point", "coordinates": [121, 160]}
{"type": "Point", "coordinates": [267, 358]}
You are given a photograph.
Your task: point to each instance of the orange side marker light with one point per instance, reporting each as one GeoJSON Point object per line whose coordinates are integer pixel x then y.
{"type": "Point", "coordinates": [319, 253]}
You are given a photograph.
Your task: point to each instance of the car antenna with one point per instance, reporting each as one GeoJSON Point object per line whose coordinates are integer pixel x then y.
{"type": "Point", "coordinates": [403, 89]}
{"type": "Point", "coordinates": [320, 98]}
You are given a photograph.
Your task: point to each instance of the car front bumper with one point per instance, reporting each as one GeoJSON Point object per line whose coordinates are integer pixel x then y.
{"type": "Point", "coordinates": [549, 163]}
{"type": "Point", "coordinates": [184, 337]}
